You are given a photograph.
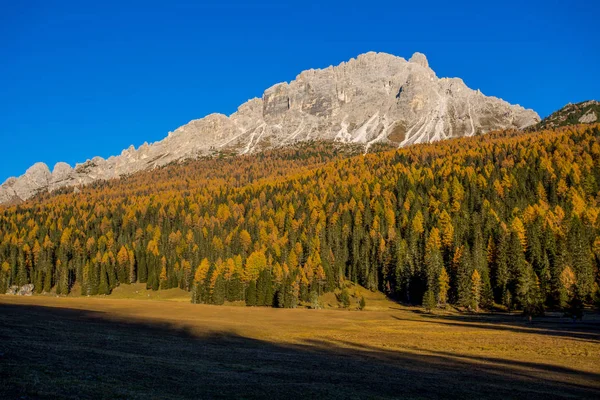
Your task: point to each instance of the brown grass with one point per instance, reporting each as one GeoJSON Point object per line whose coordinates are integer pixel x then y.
{"type": "Point", "coordinates": [118, 348]}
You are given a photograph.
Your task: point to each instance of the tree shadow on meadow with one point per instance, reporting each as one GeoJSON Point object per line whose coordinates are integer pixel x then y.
{"type": "Point", "coordinates": [48, 352]}
{"type": "Point", "coordinates": [550, 325]}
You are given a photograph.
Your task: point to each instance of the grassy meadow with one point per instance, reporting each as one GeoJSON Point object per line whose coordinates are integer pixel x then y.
{"type": "Point", "coordinates": [88, 348]}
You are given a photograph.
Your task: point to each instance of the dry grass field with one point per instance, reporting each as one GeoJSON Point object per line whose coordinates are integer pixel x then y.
{"type": "Point", "coordinates": [88, 348]}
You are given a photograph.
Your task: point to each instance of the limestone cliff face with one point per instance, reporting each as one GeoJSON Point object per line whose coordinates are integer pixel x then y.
{"type": "Point", "coordinates": [376, 97]}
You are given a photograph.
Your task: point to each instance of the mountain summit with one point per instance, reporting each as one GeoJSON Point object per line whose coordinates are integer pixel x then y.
{"type": "Point", "coordinates": [376, 97]}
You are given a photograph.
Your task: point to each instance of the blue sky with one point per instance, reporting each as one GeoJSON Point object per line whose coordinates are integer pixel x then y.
{"type": "Point", "coordinates": [79, 78]}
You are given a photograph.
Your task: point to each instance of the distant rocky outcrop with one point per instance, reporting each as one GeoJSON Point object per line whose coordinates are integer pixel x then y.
{"type": "Point", "coordinates": [376, 97]}
{"type": "Point", "coordinates": [586, 112]}
{"type": "Point", "coordinates": [25, 290]}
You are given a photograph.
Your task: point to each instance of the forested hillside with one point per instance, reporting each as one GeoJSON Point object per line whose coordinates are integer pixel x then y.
{"type": "Point", "coordinates": [506, 218]}
{"type": "Point", "coordinates": [585, 112]}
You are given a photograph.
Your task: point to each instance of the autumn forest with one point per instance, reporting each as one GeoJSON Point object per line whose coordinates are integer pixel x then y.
{"type": "Point", "coordinates": [507, 219]}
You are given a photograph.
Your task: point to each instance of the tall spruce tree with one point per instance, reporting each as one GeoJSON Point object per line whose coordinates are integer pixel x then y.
{"type": "Point", "coordinates": [251, 294]}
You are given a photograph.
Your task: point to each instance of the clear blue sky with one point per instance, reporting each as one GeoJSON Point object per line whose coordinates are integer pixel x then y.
{"type": "Point", "coordinates": [82, 78]}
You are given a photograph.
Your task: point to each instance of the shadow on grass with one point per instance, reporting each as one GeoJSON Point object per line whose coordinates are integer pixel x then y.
{"type": "Point", "coordinates": [50, 352]}
{"type": "Point", "coordinates": [588, 331]}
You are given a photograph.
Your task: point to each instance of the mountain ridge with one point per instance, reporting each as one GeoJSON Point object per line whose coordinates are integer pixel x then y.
{"type": "Point", "coordinates": [375, 97]}
{"type": "Point", "coordinates": [585, 112]}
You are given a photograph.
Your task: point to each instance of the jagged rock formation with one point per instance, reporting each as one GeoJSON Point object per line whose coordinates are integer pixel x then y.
{"type": "Point", "coordinates": [376, 97]}
{"type": "Point", "coordinates": [586, 112]}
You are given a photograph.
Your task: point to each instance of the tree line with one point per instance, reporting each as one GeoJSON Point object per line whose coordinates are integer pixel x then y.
{"type": "Point", "coordinates": [505, 218]}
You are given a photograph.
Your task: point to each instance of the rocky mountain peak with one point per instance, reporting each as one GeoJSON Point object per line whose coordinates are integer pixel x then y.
{"type": "Point", "coordinates": [375, 97]}
{"type": "Point", "coordinates": [419, 58]}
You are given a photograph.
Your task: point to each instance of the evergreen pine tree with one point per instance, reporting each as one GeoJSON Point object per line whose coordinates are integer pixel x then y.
{"type": "Point", "coordinates": [261, 288]}
{"type": "Point", "coordinates": [94, 277]}
{"type": "Point", "coordinates": [48, 281]}
{"type": "Point", "coordinates": [153, 280]}
{"type": "Point", "coordinates": [528, 292]}
{"type": "Point", "coordinates": [142, 266]}
{"type": "Point", "coordinates": [475, 290]}
{"type": "Point", "coordinates": [502, 270]}
{"type": "Point", "coordinates": [85, 282]}
{"type": "Point", "coordinates": [219, 291]}
{"type": "Point", "coordinates": [464, 280]}
{"type": "Point", "coordinates": [251, 295]}
{"type": "Point", "coordinates": [22, 278]}
{"type": "Point", "coordinates": [38, 284]}
{"type": "Point", "coordinates": [581, 258]}
{"type": "Point", "coordinates": [269, 291]}
{"type": "Point", "coordinates": [235, 289]}
{"type": "Point", "coordinates": [62, 284]}
{"type": "Point", "coordinates": [345, 298]}
{"type": "Point", "coordinates": [429, 300]}
{"type": "Point", "coordinates": [103, 287]}
{"type": "Point", "coordinates": [280, 298]}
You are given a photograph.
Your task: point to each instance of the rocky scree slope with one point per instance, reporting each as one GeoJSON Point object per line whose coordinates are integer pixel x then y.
{"type": "Point", "coordinates": [376, 97]}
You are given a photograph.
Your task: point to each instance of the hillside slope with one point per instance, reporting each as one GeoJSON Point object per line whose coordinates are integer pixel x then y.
{"type": "Point", "coordinates": [586, 112]}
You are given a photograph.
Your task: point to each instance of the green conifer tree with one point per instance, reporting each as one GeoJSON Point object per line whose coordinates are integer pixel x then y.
{"type": "Point", "coordinates": [251, 295]}
{"type": "Point", "coordinates": [345, 298]}
{"type": "Point", "coordinates": [103, 287]}
{"type": "Point", "coordinates": [429, 302]}
{"type": "Point", "coordinates": [464, 280]}
{"type": "Point", "coordinates": [48, 280]}
{"type": "Point", "coordinates": [219, 291]}
{"type": "Point", "coordinates": [528, 292]}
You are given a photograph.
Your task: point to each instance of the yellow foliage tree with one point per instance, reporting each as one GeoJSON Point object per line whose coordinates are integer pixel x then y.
{"type": "Point", "coordinates": [568, 280]}
{"type": "Point", "coordinates": [123, 257]}
{"type": "Point", "coordinates": [443, 287]}
{"type": "Point", "coordinates": [518, 228]}
{"type": "Point", "coordinates": [447, 229]}
{"type": "Point", "coordinates": [202, 270]}
{"type": "Point", "coordinates": [245, 239]}
{"type": "Point", "coordinates": [256, 262]}
{"type": "Point", "coordinates": [417, 223]}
